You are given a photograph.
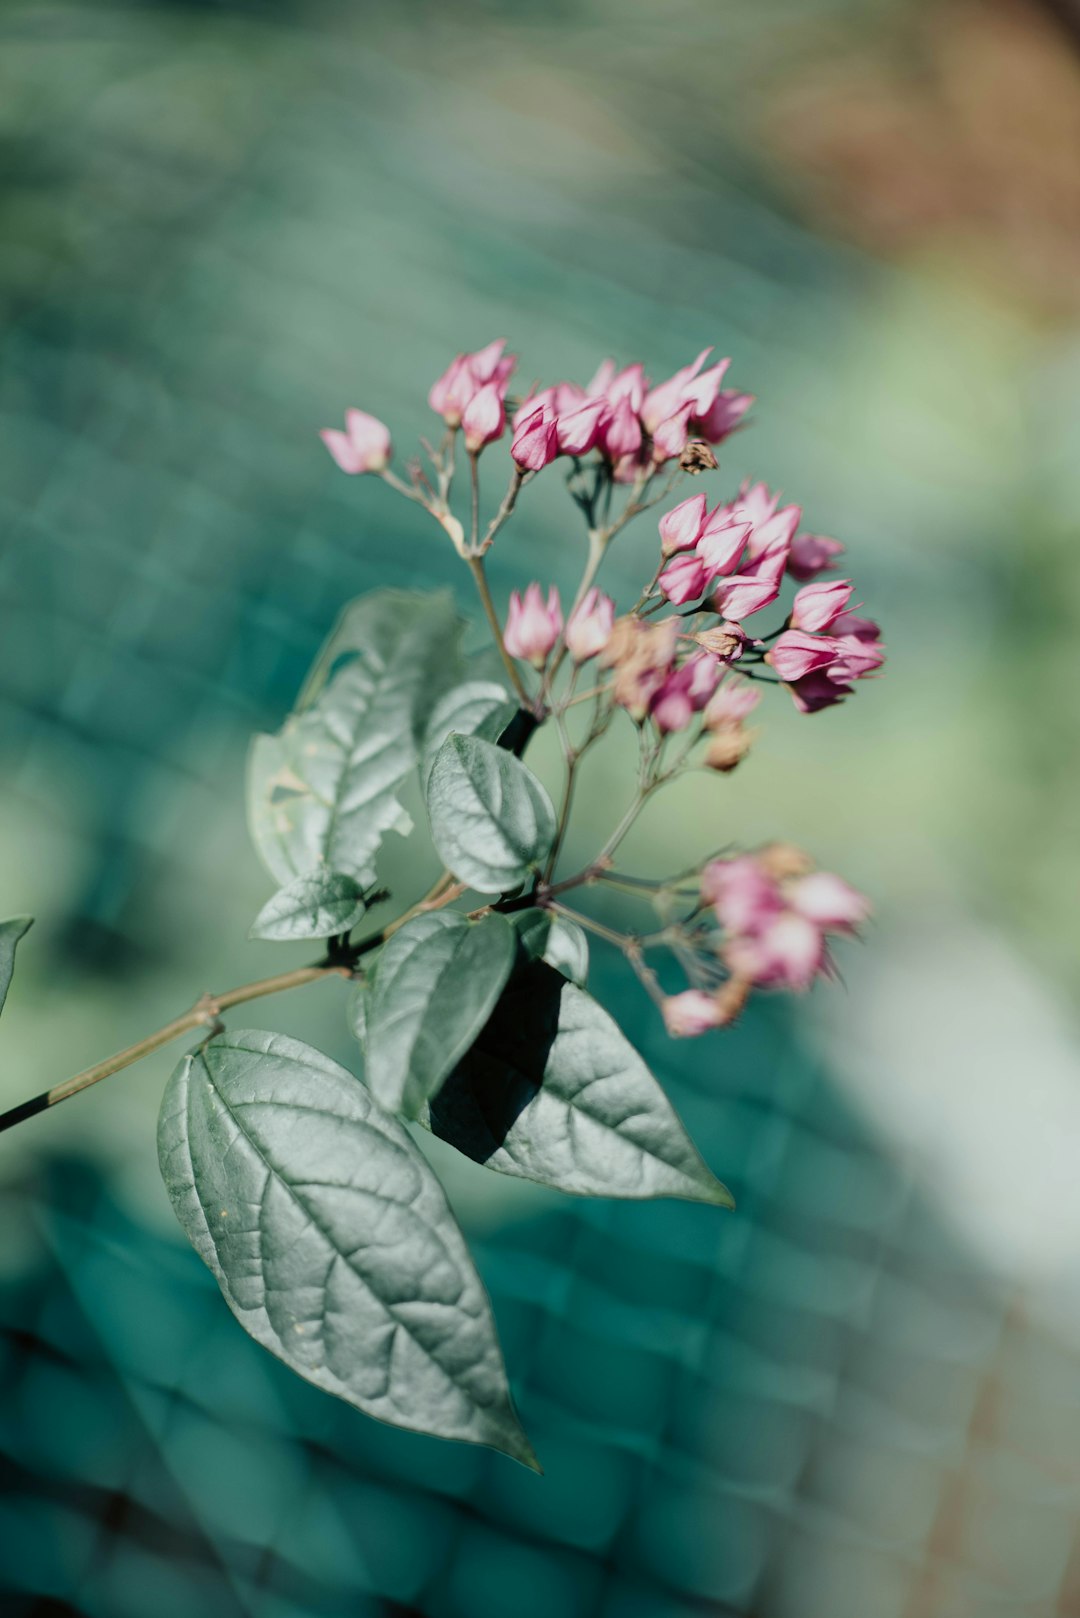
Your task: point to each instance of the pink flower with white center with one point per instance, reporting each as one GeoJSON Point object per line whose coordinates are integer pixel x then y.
{"type": "Point", "coordinates": [484, 417]}
{"type": "Point", "coordinates": [786, 954]}
{"type": "Point", "coordinates": [812, 554]}
{"type": "Point", "coordinates": [465, 376]}
{"type": "Point", "coordinates": [669, 438]}
{"type": "Point", "coordinates": [680, 528]}
{"type": "Point", "coordinates": [532, 628]}
{"type": "Point", "coordinates": [589, 628]}
{"type": "Point", "coordinates": [816, 606]}
{"type": "Point", "coordinates": [578, 429]}
{"type": "Point", "coordinates": [689, 1014]}
{"type": "Point", "coordinates": [535, 443]}
{"type": "Point", "coordinates": [685, 578]}
{"type": "Point", "coordinates": [828, 901]}
{"type": "Point", "coordinates": [364, 446]}
{"type": "Point", "coordinates": [743, 894]}
{"type": "Point", "coordinates": [733, 701]}
{"type": "Point", "coordinates": [723, 416]}
{"type": "Point", "coordinates": [621, 433]}
{"type": "Point", "coordinates": [722, 541]}
{"type": "Point", "coordinates": [796, 654]}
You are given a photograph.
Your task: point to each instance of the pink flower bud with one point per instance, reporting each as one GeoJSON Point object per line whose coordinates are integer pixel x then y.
{"type": "Point", "coordinates": [744, 594]}
{"type": "Point", "coordinates": [528, 407]}
{"type": "Point", "coordinates": [484, 418]}
{"type": "Point", "coordinates": [849, 623]}
{"type": "Point", "coordinates": [364, 446]}
{"type": "Point", "coordinates": [723, 540]}
{"type": "Point", "coordinates": [754, 504]}
{"type": "Point", "coordinates": [816, 606]}
{"type": "Point", "coordinates": [733, 701]}
{"type": "Point", "coordinates": [828, 901]}
{"type": "Point", "coordinates": [685, 578]}
{"type": "Point", "coordinates": [702, 392]}
{"type": "Point", "coordinates": [681, 526]}
{"type": "Point", "coordinates": [536, 442]}
{"type": "Point", "coordinates": [797, 654]}
{"type": "Point", "coordinates": [601, 382]}
{"type": "Point", "coordinates": [855, 657]}
{"type": "Point", "coordinates": [590, 626]}
{"type": "Point", "coordinates": [579, 429]}
{"type": "Point", "coordinates": [628, 385]}
{"type": "Point", "coordinates": [669, 439]}
{"type": "Point", "coordinates": [744, 896]}
{"type": "Point", "coordinates": [788, 953]}
{"type": "Point", "coordinates": [622, 431]}
{"type": "Point", "coordinates": [463, 378]}
{"type": "Point", "coordinates": [817, 691]}
{"type": "Point", "coordinates": [668, 397]}
{"type": "Point", "coordinates": [689, 1014]}
{"type": "Point", "coordinates": [722, 416]}
{"type": "Point", "coordinates": [812, 554]}
{"type": "Point", "coordinates": [531, 627]}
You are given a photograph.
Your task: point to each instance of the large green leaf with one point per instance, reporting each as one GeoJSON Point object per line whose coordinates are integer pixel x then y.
{"type": "Point", "coordinates": [11, 932]}
{"type": "Point", "coordinates": [323, 792]}
{"type": "Point", "coordinates": [434, 986]}
{"type": "Point", "coordinates": [491, 820]}
{"type": "Point", "coordinates": [331, 1238]}
{"type": "Point", "coordinates": [476, 708]}
{"type": "Point", "coordinates": [553, 1091]}
{"type": "Point", "coordinates": [556, 940]}
{"type": "Point", "coordinates": [316, 906]}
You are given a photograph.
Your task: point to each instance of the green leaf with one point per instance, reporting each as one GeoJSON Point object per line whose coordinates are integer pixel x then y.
{"type": "Point", "coordinates": [491, 820]}
{"type": "Point", "coordinates": [11, 932]}
{"type": "Point", "coordinates": [434, 986]}
{"type": "Point", "coordinates": [323, 792]}
{"type": "Point", "coordinates": [331, 1238]}
{"type": "Point", "coordinates": [316, 906]}
{"type": "Point", "coordinates": [553, 1091]}
{"type": "Point", "coordinates": [556, 940]}
{"type": "Point", "coordinates": [476, 708]}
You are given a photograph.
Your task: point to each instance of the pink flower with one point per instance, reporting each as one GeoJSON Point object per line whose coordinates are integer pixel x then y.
{"type": "Point", "coordinates": [722, 417]}
{"type": "Point", "coordinates": [745, 593]}
{"type": "Point", "coordinates": [855, 657]}
{"type": "Point", "coordinates": [743, 894]}
{"type": "Point", "coordinates": [589, 628]}
{"type": "Point", "coordinates": [816, 691]}
{"type": "Point", "coordinates": [773, 537]}
{"type": "Point", "coordinates": [734, 701]}
{"type": "Point", "coordinates": [681, 527]}
{"type": "Point", "coordinates": [531, 627]}
{"type": "Point", "coordinates": [689, 1014]}
{"type": "Point", "coordinates": [669, 397]}
{"type": "Point", "coordinates": [786, 954]}
{"type": "Point", "coordinates": [849, 623]}
{"type": "Point", "coordinates": [829, 901]}
{"type": "Point", "coordinates": [812, 554]}
{"type": "Point", "coordinates": [536, 442]}
{"type": "Point", "coordinates": [685, 690]}
{"type": "Point", "coordinates": [621, 435]}
{"type": "Point", "coordinates": [722, 542]}
{"type": "Point", "coordinates": [578, 430]}
{"type": "Point", "coordinates": [754, 504]}
{"type": "Point", "coordinates": [463, 378]}
{"type": "Point", "coordinates": [669, 438]}
{"type": "Point", "coordinates": [484, 417]}
{"type": "Point", "coordinates": [364, 446]}
{"type": "Point", "coordinates": [797, 654]}
{"type": "Point", "coordinates": [816, 606]}
{"type": "Point", "coordinates": [628, 385]}
{"type": "Point", "coordinates": [685, 578]}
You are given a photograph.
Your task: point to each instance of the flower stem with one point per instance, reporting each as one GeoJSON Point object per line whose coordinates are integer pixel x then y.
{"type": "Point", "coordinates": [476, 567]}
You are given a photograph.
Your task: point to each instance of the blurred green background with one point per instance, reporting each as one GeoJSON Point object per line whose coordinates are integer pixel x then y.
{"type": "Point", "coordinates": [859, 1395]}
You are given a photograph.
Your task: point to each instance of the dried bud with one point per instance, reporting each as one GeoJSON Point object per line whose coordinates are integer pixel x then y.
{"type": "Point", "coordinates": [728, 747]}
{"type": "Point", "coordinates": [697, 456]}
{"type": "Point", "coordinates": [782, 860]}
{"type": "Point", "coordinates": [726, 642]}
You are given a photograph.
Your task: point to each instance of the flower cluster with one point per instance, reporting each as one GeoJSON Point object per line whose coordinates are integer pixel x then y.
{"type": "Point", "coordinates": [689, 657]}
